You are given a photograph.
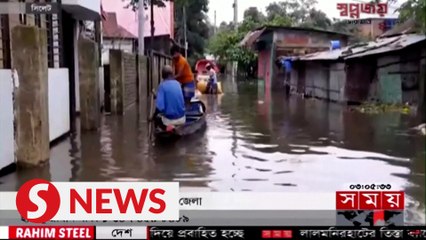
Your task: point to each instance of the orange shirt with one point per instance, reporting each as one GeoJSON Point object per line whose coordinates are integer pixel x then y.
{"type": "Point", "coordinates": [187, 75]}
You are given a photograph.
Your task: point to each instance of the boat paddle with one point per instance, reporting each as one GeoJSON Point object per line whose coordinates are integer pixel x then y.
{"type": "Point", "coordinates": [151, 115]}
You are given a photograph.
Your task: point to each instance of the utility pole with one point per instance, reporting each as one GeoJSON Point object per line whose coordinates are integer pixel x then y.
{"type": "Point", "coordinates": [235, 14]}
{"type": "Point", "coordinates": [141, 29]}
{"type": "Point", "coordinates": [215, 26]}
{"type": "Point", "coordinates": [184, 31]}
{"type": "Point", "coordinates": [235, 64]}
{"type": "Point", "coordinates": [152, 25]}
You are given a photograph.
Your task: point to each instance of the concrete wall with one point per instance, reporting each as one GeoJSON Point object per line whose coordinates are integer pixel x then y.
{"type": "Point", "coordinates": [59, 102]}
{"type": "Point", "coordinates": [337, 82]}
{"type": "Point", "coordinates": [263, 60]}
{"type": "Point", "coordinates": [89, 84]}
{"type": "Point", "coordinates": [29, 60]}
{"type": "Point", "coordinates": [7, 143]}
{"type": "Point", "coordinates": [130, 79]}
{"type": "Point", "coordinates": [101, 86]}
{"type": "Point", "coordinates": [123, 44]}
{"type": "Point", "coordinates": [14, 21]}
{"type": "Point", "coordinates": [76, 68]}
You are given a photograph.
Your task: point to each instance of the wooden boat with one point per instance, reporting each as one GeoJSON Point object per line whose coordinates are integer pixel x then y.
{"type": "Point", "coordinates": [195, 121]}
{"type": "Point", "coordinates": [203, 77]}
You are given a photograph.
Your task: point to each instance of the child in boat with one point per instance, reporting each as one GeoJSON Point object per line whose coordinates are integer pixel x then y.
{"type": "Point", "coordinates": [212, 84]}
{"type": "Point", "coordinates": [170, 103]}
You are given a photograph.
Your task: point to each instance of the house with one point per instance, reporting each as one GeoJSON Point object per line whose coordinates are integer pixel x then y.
{"type": "Point", "coordinates": [386, 70]}
{"type": "Point", "coordinates": [271, 42]}
{"type": "Point", "coordinates": [371, 28]}
{"type": "Point", "coordinates": [163, 23]}
{"type": "Point", "coordinates": [115, 36]}
{"type": "Point", "coordinates": [63, 29]}
{"type": "Point", "coordinates": [321, 75]}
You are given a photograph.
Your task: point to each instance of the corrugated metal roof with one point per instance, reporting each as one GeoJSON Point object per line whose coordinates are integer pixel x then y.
{"type": "Point", "coordinates": [384, 45]}
{"type": "Point", "coordinates": [409, 26]}
{"type": "Point", "coordinates": [271, 27]}
{"type": "Point", "coordinates": [324, 55]}
{"type": "Point", "coordinates": [381, 45]}
{"type": "Point", "coordinates": [251, 37]}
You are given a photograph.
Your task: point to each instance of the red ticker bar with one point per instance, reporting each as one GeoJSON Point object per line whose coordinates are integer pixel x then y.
{"type": "Point", "coordinates": [286, 233]}
{"type": "Point", "coordinates": [51, 232]}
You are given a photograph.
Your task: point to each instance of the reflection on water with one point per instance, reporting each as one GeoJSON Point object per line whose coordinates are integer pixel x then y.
{"type": "Point", "coordinates": [254, 142]}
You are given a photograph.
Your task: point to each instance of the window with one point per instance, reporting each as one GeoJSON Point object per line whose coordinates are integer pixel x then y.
{"type": "Point", "coordinates": [5, 60]}
{"type": "Point", "coordinates": [37, 17]}
{"type": "Point", "coordinates": [22, 17]}
{"type": "Point", "coordinates": [50, 41]}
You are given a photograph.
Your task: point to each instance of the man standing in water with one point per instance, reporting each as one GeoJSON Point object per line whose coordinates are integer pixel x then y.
{"type": "Point", "coordinates": [287, 69]}
{"type": "Point", "coordinates": [212, 84]}
{"type": "Point", "coordinates": [183, 74]}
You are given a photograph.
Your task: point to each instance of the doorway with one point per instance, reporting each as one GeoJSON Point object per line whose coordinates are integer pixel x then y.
{"type": "Point", "coordinates": [68, 25]}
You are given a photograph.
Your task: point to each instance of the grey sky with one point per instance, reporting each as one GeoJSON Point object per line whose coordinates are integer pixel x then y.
{"type": "Point", "coordinates": [225, 12]}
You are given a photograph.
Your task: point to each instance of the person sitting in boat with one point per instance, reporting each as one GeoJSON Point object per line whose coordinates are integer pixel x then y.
{"type": "Point", "coordinates": [212, 84]}
{"type": "Point", "coordinates": [183, 74]}
{"type": "Point", "coordinates": [169, 102]}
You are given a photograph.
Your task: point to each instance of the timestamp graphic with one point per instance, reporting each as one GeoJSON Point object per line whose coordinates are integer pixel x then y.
{"type": "Point", "coordinates": [371, 186]}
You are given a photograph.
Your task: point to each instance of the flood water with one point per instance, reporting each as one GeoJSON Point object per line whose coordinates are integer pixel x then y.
{"type": "Point", "coordinates": [253, 142]}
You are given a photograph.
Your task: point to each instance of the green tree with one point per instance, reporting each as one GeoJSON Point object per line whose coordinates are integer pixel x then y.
{"type": "Point", "coordinates": [254, 14]}
{"type": "Point", "coordinates": [297, 13]}
{"type": "Point", "coordinates": [414, 9]}
{"type": "Point", "coordinates": [198, 28]}
{"type": "Point", "coordinates": [225, 45]}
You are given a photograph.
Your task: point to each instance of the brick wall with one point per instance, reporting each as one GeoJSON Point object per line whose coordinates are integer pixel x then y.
{"type": "Point", "coordinates": [130, 79]}
{"type": "Point", "coordinates": [123, 78]}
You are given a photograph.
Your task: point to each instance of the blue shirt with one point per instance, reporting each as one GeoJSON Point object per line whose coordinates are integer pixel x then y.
{"type": "Point", "coordinates": [287, 65]}
{"type": "Point", "coordinates": [169, 101]}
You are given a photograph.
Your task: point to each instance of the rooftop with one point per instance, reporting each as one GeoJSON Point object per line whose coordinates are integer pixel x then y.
{"type": "Point", "coordinates": [111, 29]}
{"type": "Point", "coordinates": [381, 45]}
{"type": "Point", "coordinates": [409, 26]}
{"type": "Point", "coordinates": [384, 45]}
{"type": "Point", "coordinates": [128, 19]}
{"type": "Point", "coordinates": [253, 35]}
{"type": "Point", "coordinates": [267, 27]}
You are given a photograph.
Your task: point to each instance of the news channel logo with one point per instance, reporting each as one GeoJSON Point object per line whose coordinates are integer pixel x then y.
{"type": "Point", "coordinates": [29, 8]}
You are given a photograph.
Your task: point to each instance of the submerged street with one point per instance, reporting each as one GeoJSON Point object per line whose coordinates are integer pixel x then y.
{"type": "Point", "coordinates": [253, 142]}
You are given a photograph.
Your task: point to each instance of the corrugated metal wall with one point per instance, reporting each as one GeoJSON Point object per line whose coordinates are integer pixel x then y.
{"type": "Point", "coordinates": [337, 82]}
